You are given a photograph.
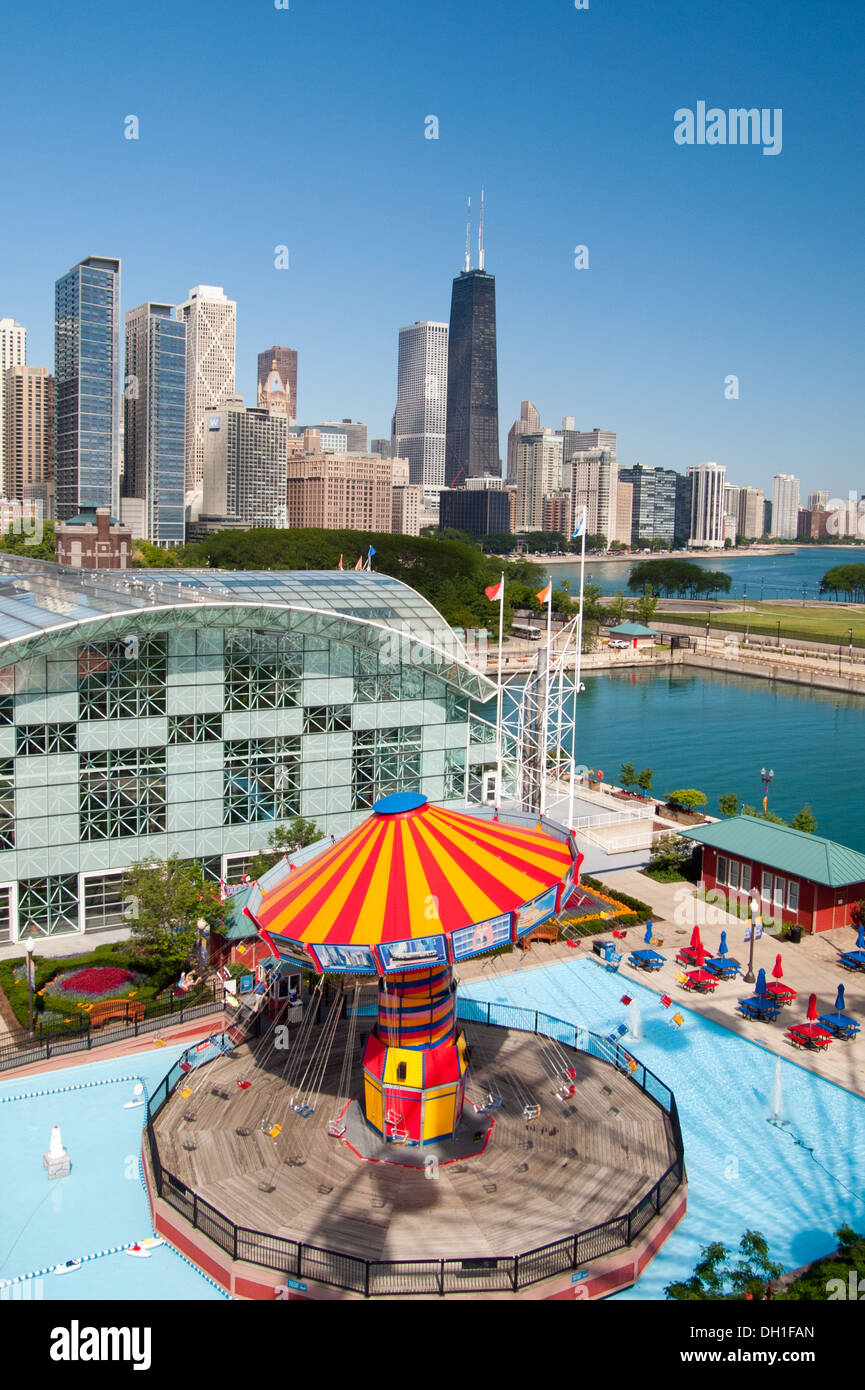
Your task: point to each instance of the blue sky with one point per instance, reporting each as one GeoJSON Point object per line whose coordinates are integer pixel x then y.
{"type": "Point", "coordinates": [305, 127]}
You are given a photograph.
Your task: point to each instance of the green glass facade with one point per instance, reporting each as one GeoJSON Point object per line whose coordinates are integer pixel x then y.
{"type": "Point", "coordinates": [194, 730]}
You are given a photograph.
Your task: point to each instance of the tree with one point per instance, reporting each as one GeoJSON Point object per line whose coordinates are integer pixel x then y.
{"type": "Point", "coordinates": [688, 799]}
{"type": "Point", "coordinates": [729, 804]}
{"type": "Point", "coordinates": [628, 776]}
{"type": "Point", "coordinates": [644, 779]}
{"type": "Point", "coordinates": [763, 815]}
{"type": "Point", "coordinates": [283, 839]}
{"type": "Point", "coordinates": [166, 900]}
{"type": "Point", "coordinates": [805, 820]}
{"type": "Point", "coordinates": [830, 1278]}
{"type": "Point", "coordinates": [645, 607]}
{"type": "Point", "coordinates": [680, 578]}
{"type": "Point", "coordinates": [714, 1278]}
{"type": "Point", "coordinates": [38, 541]}
{"type": "Point", "coordinates": [670, 855]}
{"type": "Point", "coordinates": [848, 580]}
{"type": "Point", "coordinates": [619, 607]}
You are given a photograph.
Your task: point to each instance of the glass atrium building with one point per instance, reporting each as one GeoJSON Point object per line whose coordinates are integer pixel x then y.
{"type": "Point", "coordinates": [190, 713]}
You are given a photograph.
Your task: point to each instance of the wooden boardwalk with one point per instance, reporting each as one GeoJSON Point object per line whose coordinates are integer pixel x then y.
{"type": "Point", "coordinates": [583, 1161]}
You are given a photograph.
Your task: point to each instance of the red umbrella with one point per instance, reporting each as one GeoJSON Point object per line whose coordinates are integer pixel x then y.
{"type": "Point", "coordinates": [695, 939]}
{"type": "Point", "coordinates": [699, 955]}
{"type": "Point", "coordinates": [812, 1008]}
{"type": "Point", "coordinates": [778, 969]}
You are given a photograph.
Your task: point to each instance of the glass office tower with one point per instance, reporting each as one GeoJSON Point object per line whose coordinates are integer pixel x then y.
{"type": "Point", "coordinates": [155, 410]}
{"type": "Point", "coordinates": [87, 365]}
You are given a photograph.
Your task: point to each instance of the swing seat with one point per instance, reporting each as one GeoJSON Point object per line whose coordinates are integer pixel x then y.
{"type": "Point", "coordinates": [244, 1085]}
{"type": "Point", "coordinates": [336, 1129]}
{"type": "Point", "coordinates": [531, 1112]}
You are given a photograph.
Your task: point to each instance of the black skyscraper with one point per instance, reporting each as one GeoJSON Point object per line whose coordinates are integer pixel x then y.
{"type": "Point", "coordinates": [472, 429]}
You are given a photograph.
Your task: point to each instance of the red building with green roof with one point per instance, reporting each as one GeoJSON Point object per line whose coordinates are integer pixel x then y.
{"type": "Point", "coordinates": [800, 878]}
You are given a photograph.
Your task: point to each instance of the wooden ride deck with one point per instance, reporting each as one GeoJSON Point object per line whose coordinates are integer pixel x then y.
{"type": "Point", "coordinates": [583, 1161]}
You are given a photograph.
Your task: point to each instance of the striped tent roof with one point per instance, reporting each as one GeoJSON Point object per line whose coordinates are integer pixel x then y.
{"type": "Point", "coordinates": [386, 880]}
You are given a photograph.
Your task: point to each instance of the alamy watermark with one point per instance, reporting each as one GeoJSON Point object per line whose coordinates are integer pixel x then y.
{"type": "Point", "coordinates": [22, 519]}
{"type": "Point", "coordinates": [737, 126]}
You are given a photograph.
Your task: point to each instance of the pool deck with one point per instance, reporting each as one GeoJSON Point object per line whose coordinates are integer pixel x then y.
{"type": "Point", "coordinates": [811, 967]}
{"type": "Point", "coordinates": [514, 1190]}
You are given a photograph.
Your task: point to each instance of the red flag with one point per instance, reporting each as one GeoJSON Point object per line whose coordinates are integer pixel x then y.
{"type": "Point", "coordinates": [495, 591]}
{"type": "Point", "coordinates": [339, 566]}
{"type": "Point", "coordinates": [544, 594]}
{"type": "Point", "coordinates": [359, 565]}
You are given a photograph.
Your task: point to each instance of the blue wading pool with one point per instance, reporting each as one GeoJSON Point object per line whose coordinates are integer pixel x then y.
{"type": "Point", "coordinates": [101, 1203]}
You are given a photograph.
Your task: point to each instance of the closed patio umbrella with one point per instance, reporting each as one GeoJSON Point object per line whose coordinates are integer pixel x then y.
{"type": "Point", "coordinates": [723, 949]}
{"type": "Point", "coordinates": [695, 939]}
{"type": "Point", "coordinates": [812, 1009]}
{"type": "Point", "coordinates": [778, 969]}
{"type": "Point", "coordinates": [760, 987]}
{"type": "Point", "coordinates": [840, 1004]}
{"type": "Point", "coordinates": [860, 939]}
{"type": "Point", "coordinates": [648, 936]}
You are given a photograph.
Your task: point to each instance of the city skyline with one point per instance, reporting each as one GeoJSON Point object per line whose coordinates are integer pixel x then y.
{"type": "Point", "coordinates": [671, 304]}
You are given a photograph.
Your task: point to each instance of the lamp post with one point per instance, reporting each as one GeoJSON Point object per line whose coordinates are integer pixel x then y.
{"type": "Point", "coordinates": [778, 638]}
{"type": "Point", "coordinates": [755, 913]}
{"type": "Point", "coordinates": [766, 779]}
{"type": "Point", "coordinates": [840, 654]}
{"type": "Point", "coordinates": [708, 625]}
{"type": "Point", "coordinates": [850, 631]}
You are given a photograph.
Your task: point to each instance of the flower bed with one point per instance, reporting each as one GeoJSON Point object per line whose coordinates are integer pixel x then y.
{"type": "Point", "coordinates": [90, 985]}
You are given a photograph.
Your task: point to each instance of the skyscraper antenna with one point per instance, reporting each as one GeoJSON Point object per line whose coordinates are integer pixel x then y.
{"type": "Point", "coordinates": [481, 235]}
{"type": "Point", "coordinates": [468, 265]}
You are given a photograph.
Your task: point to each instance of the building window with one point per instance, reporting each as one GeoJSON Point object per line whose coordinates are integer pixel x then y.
{"type": "Point", "coordinates": [455, 774]}
{"type": "Point", "coordinates": [385, 761]}
{"type": "Point", "coordinates": [326, 719]}
{"type": "Point", "coordinates": [376, 679]}
{"type": "Point", "coordinates": [734, 874]}
{"type": "Point", "coordinates": [122, 793]}
{"type": "Point", "coordinates": [237, 868]}
{"type": "Point", "coordinates": [194, 728]}
{"type": "Point", "coordinates": [745, 878]}
{"type": "Point", "coordinates": [262, 670]}
{"type": "Point", "coordinates": [766, 887]}
{"type": "Point", "coordinates": [46, 738]}
{"type": "Point", "coordinates": [7, 803]}
{"type": "Point", "coordinates": [122, 680]}
{"type": "Point", "coordinates": [7, 710]}
{"type": "Point", "coordinates": [105, 907]}
{"type": "Point", "coordinates": [5, 914]}
{"type": "Point", "coordinates": [47, 906]}
{"type": "Point", "coordinates": [721, 870]}
{"type": "Point", "coordinates": [793, 894]}
{"type": "Point", "coordinates": [261, 780]}
{"type": "Point", "coordinates": [457, 707]}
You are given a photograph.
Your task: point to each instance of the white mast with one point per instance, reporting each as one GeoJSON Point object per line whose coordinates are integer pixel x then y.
{"type": "Point", "coordinates": [468, 264]}
{"type": "Point", "coordinates": [481, 235]}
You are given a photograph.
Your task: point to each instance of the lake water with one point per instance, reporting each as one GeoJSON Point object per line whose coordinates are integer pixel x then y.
{"type": "Point", "coordinates": [753, 576]}
{"type": "Point", "coordinates": [715, 732]}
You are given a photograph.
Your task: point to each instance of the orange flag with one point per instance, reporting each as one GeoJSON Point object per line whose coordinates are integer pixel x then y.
{"type": "Point", "coordinates": [544, 594]}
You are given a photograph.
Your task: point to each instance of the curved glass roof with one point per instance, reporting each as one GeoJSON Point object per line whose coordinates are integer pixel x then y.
{"type": "Point", "coordinates": [40, 599]}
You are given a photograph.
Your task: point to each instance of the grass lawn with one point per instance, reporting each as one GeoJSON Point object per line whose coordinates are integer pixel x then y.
{"type": "Point", "coordinates": [824, 624]}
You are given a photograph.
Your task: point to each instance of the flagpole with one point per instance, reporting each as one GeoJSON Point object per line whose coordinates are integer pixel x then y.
{"type": "Point", "coordinates": [500, 698]}
{"type": "Point", "coordinates": [577, 668]}
{"type": "Point", "coordinates": [546, 723]}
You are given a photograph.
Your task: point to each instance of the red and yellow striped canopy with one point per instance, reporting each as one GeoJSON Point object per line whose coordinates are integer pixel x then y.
{"type": "Point", "coordinates": [419, 873]}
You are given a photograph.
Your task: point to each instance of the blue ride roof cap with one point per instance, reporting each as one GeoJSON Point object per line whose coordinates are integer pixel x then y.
{"type": "Point", "coordinates": [399, 801]}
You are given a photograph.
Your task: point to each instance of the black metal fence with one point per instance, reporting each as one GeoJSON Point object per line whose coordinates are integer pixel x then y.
{"type": "Point", "coordinates": [297, 1261]}
{"type": "Point", "coordinates": [22, 1051]}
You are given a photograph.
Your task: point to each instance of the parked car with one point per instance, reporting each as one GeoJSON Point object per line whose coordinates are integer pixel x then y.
{"type": "Point", "coordinates": [617, 642]}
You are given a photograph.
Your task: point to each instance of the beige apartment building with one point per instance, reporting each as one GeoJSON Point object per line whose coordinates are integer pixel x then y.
{"type": "Point", "coordinates": [340, 492]}
{"type": "Point", "coordinates": [28, 430]}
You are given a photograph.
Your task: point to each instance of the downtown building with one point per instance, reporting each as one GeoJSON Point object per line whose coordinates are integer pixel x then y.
{"type": "Point", "coordinates": [88, 358]}
{"type": "Point", "coordinates": [340, 492]}
{"type": "Point", "coordinates": [595, 486]}
{"type": "Point", "coordinates": [277, 381]}
{"type": "Point", "coordinates": [539, 475]}
{"type": "Point", "coordinates": [708, 481]}
{"type": "Point", "coordinates": [482, 507]}
{"type": "Point", "coordinates": [751, 515]}
{"type": "Point", "coordinates": [421, 405]}
{"type": "Point", "coordinates": [472, 423]}
{"type": "Point", "coordinates": [155, 425]}
{"type": "Point", "coordinates": [28, 437]}
{"type": "Point", "coordinates": [528, 423]}
{"type": "Point", "coordinates": [13, 353]}
{"type": "Point", "coordinates": [193, 713]}
{"type": "Point", "coordinates": [655, 513]}
{"type": "Point", "coordinates": [211, 324]}
{"type": "Point", "coordinates": [785, 506]}
{"type": "Point", "coordinates": [244, 481]}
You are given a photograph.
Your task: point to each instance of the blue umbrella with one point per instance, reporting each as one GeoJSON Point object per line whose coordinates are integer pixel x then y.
{"type": "Point", "coordinates": [860, 939]}
{"type": "Point", "coordinates": [723, 948]}
{"type": "Point", "coordinates": [648, 937]}
{"type": "Point", "coordinates": [761, 982]}
{"type": "Point", "coordinates": [839, 1001]}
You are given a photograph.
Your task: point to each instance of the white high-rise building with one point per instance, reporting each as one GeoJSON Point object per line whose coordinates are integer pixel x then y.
{"type": "Point", "coordinates": [818, 501]}
{"type": "Point", "coordinates": [708, 481]}
{"type": "Point", "coordinates": [13, 353]}
{"type": "Point", "coordinates": [539, 473]}
{"type": "Point", "coordinates": [595, 486]}
{"type": "Point", "coordinates": [421, 405]}
{"type": "Point", "coordinates": [211, 322]}
{"type": "Point", "coordinates": [785, 506]}
{"type": "Point", "coordinates": [528, 423]}
{"type": "Point", "coordinates": [751, 512]}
